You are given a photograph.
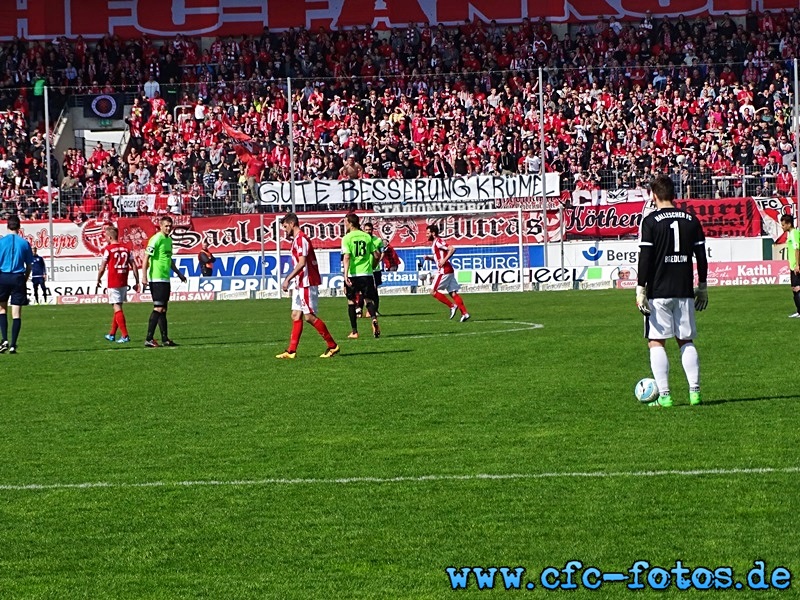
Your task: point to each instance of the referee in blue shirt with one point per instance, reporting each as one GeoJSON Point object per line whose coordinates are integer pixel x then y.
{"type": "Point", "coordinates": [16, 258]}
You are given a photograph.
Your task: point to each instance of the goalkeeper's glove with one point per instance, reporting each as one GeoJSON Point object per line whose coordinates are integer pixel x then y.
{"type": "Point", "coordinates": [641, 300]}
{"type": "Point", "coordinates": [701, 297]}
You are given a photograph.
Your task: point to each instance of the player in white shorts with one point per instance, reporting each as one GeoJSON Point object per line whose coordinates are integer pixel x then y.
{"type": "Point", "coordinates": [445, 278]}
{"type": "Point", "coordinates": [306, 300]}
{"type": "Point", "coordinates": [117, 295]}
{"type": "Point", "coordinates": [671, 318]}
{"type": "Point", "coordinates": [666, 295]}
{"type": "Point", "coordinates": [305, 278]}
{"type": "Point", "coordinates": [118, 260]}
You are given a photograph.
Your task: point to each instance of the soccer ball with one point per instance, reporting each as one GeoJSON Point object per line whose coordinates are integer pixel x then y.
{"type": "Point", "coordinates": [646, 390]}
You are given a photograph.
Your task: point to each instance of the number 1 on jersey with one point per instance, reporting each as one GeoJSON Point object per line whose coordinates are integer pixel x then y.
{"type": "Point", "coordinates": [676, 237]}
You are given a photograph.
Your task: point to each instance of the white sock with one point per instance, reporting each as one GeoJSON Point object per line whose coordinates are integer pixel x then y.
{"type": "Point", "coordinates": [691, 365]}
{"type": "Point", "coordinates": [659, 364]}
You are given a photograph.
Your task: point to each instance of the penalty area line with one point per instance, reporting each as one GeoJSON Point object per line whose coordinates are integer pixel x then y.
{"type": "Point", "coordinates": [403, 479]}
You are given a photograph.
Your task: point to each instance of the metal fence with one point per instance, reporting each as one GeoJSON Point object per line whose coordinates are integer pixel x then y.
{"type": "Point", "coordinates": [604, 127]}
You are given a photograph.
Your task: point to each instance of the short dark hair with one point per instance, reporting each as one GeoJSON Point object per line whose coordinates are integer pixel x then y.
{"type": "Point", "coordinates": [370, 225]}
{"type": "Point", "coordinates": [165, 219]}
{"type": "Point", "coordinates": [354, 220]}
{"type": "Point", "coordinates": [13, 223]}
{"type": "Point", "coordinates": [784, 219]}
{"type": "Point", "coordinates": [663, 188]}
{"type": "Point", "coordinates": [434, 229]}
{"type": "Point", "coordinates": [291, 219]}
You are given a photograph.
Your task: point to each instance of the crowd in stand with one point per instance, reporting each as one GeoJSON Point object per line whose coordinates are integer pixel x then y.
{"type": "Point", "coordinates": [705, 99]}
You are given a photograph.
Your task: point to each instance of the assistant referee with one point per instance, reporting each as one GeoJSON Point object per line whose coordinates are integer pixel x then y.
{"type": "Point", "coordinates": [16, 258]}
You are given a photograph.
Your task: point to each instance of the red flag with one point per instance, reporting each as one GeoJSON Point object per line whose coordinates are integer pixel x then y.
{"type": "Point", "coordinates": [242, 152]}
{"type": "Point", "coordinates": [235, 133]}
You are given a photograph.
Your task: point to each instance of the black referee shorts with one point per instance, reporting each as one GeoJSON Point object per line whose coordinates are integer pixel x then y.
{"type": "Point", "coordinates": [160, 291]}
{"type": "Point", "coordinates": [365, 284]}
{"type": "Point", "coordinates": [12, 289]}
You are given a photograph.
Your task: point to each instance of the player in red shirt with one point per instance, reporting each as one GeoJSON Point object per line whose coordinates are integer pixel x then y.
{"type": "Point", "coordinates": [445, 277]}
{"type": "Point", "coordinates": [118, 259]}
{"type": "Point", "coordinates": [305, 296]}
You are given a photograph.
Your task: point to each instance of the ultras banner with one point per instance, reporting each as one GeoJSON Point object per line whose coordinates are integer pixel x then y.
{"type": "Point", "coordinates": [732, 217]}
{"type": "Point", "coordinates": [48, 19]}
{"type": "Point", "coordinates": [725, 217]}
{"type": "Point", "coordinates": [244, 233]}
{"type": "Point", "coordinates": [421, 192]}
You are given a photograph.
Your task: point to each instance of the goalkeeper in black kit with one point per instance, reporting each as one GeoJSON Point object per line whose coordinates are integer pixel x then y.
{"type": "Point", "coordinates": [665, 293]}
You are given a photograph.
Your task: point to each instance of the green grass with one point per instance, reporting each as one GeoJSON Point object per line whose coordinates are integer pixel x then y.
{"type": "Point", "coordinates": [555, 400]}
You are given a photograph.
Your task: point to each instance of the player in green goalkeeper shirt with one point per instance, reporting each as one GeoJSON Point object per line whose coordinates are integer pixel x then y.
{"type": "Point", "coordinates": [157, 268]}
{"type": "Point", "coordinates": [360, 256]}
{"type": "Point", "coordinates": [793, 254]}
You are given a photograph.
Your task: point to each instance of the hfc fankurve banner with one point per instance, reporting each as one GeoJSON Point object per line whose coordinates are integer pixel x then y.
{"type": "Point", "coordinates": [46, 19]}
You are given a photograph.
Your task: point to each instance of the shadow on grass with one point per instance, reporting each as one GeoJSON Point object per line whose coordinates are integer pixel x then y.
{"type": "Point", "coordinates": [762, 399]}
{"type": "Point", "coordinates": [417, 314]}
{"type": "Point", "coordinates": [139, 345]}
{"type": "Point", "coordinates": [348, 354]}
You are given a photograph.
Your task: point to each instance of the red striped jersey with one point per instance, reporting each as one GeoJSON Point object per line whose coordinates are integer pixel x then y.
{"type": "Point", "coordinates": [440, 249]}
{"type": "Point", "coordinates": [309, 276]}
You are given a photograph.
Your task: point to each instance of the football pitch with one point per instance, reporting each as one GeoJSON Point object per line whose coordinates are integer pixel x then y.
{"type": "Point", "coordinates": [213, 470]}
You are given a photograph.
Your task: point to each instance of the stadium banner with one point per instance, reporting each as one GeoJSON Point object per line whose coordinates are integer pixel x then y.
{"type": "Point", "coordinates": [527, 204]}
{"type": "Point", "coordinates": [84, 240]}
{"type": "Point", "coordinates": [40, 19]}
{"type": "Point", "coordinates": [604, 221]}
{"type": "Point", "coordinates": [243, 233]}
{"type": "Point", "coordinates": [772, 209]}
{"type": "Point", "coordinates": [724, 217]}
{"type": "Point", "coordinates": [90, 297]}
{"type": "Point", "coordinates": [429, 191]}
{"type": "Point", "coordinates": [104, 106]}
{"type": "Point", "coordinates": [136, 203]}
{"type": "Point", "coordinates": [529, 276]}
{"type": "Point", "coordinates": [616, 253]}
{"type": "Point", "coordinates": [603, 197]}
{"type": "Point", "coordinates": [766, 272]}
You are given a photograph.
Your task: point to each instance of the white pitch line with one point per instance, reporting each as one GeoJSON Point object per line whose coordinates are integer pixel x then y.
{"type": "Point", "coordinates": [524, 326]}
{"type": "Point", "coordinates": [401, 479]}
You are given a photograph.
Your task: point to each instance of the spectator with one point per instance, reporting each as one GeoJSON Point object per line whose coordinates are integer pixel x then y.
{"type": "Point", "coordinates": [152, 89]}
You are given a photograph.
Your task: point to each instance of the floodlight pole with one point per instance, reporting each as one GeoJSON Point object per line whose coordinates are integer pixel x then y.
{"type": "Point", "coordinates": [291, 143]}
{"type": "Point", "coordinates": [48, 153]}
{"type": "Point", "coordinates": [796, 143]}
{"type": "Point", "coordinates": [542, 171]}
